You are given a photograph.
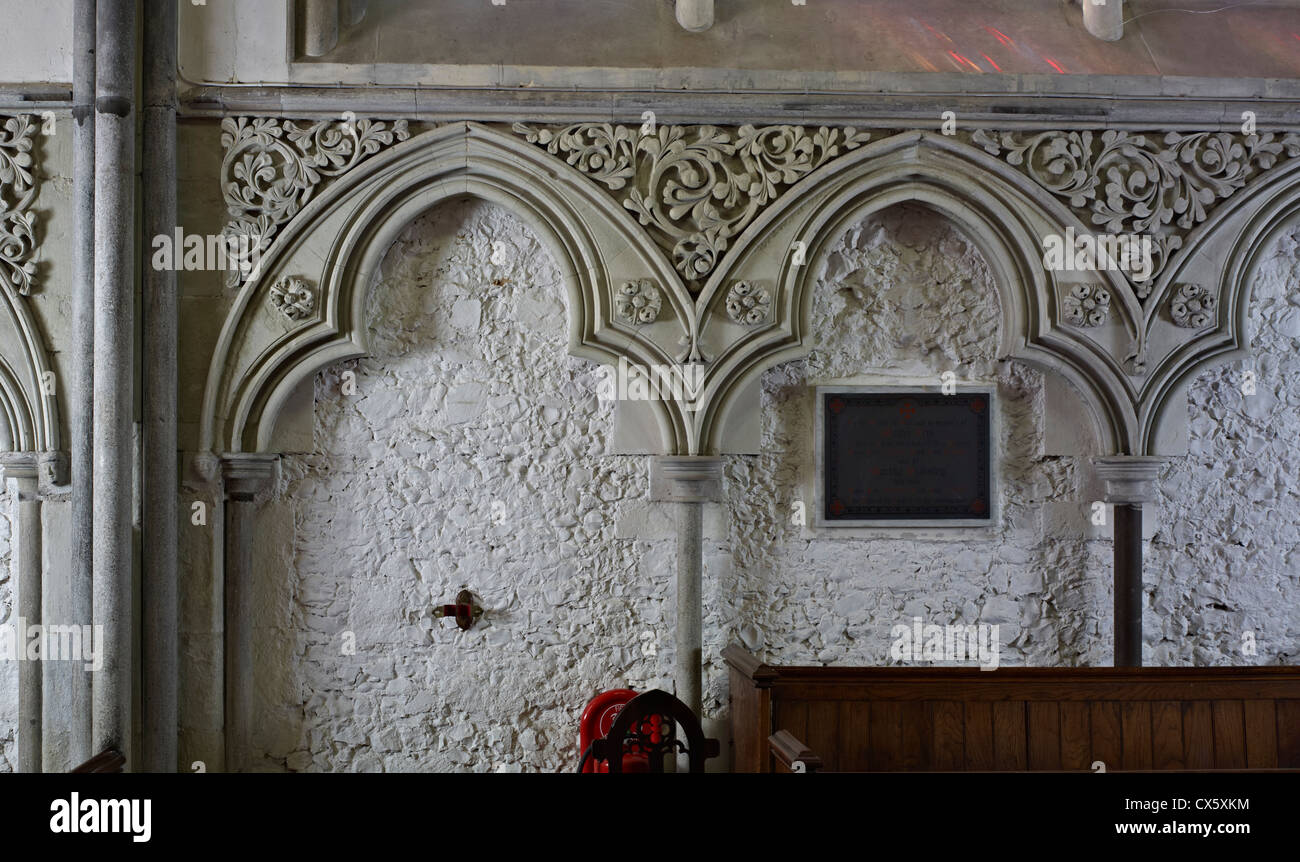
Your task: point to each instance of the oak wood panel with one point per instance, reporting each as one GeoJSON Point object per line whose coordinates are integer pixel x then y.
{"type": "Point", "coordinates": [1261, 734]}
{"type": "Point", "coordinates": [949, 742]}
{"type": "Point", "coordinates": [1044, 729]}
{"type": "Point", "coordinates": [917, 736]}
{"type": "Point", "coordinates": [979, 736]}
{"type": "Point", "coordinates": [1076, 736]}
{"type": "Point", "coordinates": [1288, 733]}
{"type": "Point", "coordinates": [1107, 736]}
{"type": "Point", "coordinates": [1166, 735]}
{"type": "Point", "coordinates": [1229, 735]}
{"type": "Point", "coordinates": [823, 729]}
{"type": "Point", "coordinates": [855, 736]}
{"type": "Point", "coordinates": [1009, 746]}
{"type": "Point", "coordinates": [1135, 721]}
{"type": "Point", "coordinates": [1198, 735]}
{"type": "Point", "coordinates": [886, 736]}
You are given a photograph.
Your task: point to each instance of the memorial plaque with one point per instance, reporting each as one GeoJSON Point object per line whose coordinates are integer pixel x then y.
{"type": "Point", "coordinates": [906, 456]}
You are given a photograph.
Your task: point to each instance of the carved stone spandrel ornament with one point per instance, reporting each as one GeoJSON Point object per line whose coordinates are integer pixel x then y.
{"type": "Point", "coordinates": [273, 167]}
{"type": "Point", "coordinates": [1192, 306]}
{"type": "Point", "coordinates": [17, 190]}
{"type": "Point", "coordinates": [748, 304]}
{"type": "Point", "coordinates": [1132, 183]}
{"type": "Point", "coordinates": [294, 298]}
{"type": "Point", "coordinates": [638, 302]}
{"type": "Point", "coordinates": [1086, 305]}
{"type": "Point", "coordinates": [695, 187]}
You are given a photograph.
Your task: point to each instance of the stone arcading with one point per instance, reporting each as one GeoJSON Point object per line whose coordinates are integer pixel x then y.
{"type": "Point", "coordinates": [273, 167]}
{"type": "Point", "coordinates": [17, 190]}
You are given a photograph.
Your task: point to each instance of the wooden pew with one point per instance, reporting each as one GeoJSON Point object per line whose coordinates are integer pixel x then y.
{"type": "Point", "coordinates": [867, 719]}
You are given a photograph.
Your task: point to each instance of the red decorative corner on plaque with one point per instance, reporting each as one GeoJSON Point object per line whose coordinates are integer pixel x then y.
{"type": "Point", "coordinates": [836, 405]}
{"type": "Point", "coordinates": [837, 507]}
{"type": "Point", "coordinates": [977, 405]}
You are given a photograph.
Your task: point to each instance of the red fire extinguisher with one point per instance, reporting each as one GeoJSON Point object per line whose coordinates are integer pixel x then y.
{"type": "Point", "coordinates": [595, 723]}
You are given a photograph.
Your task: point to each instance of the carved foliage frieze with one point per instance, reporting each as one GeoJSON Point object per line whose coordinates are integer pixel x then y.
{"type": "Point", "coordinates": [273, 167]}
{"type": "Point", "coordinates": [694, 187]}
{"type": "Point", "coordinates": [17, 190]}
{"type": "Point", "coordinates": [1125, 183]}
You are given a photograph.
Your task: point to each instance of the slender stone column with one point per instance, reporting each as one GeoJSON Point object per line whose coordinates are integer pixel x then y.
{"type": "Point", "coordinates": [20, 475]}
{"type": "Point", "coordinates": [688, 482]}
{"type": "Point", "coordinates": [320, 22]}
{"type": "Point", "coordinates": [159, 606]}
{"type": "Point", "coordinates": [695, 15]}
{"type": "Point", "coordinates": [1104, 19]}
{"type": "Point", "coordinates": [115, 61]}
{"type": "Point", "coordinates": [1130, 482]}
{"type": "Point", "coordinates": [248, 478]}
{"type": "Point", "coordinates": [74, 697]}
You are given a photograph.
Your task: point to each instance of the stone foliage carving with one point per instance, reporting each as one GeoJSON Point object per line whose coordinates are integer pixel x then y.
{"type": "Point", "coordinates": [294, 298]}
{"type": "Point", "coordinates": [17, 189]}
{"type": "Point", "coordinates": [695, 187]}
{"type": "Point", "coordinates": [1125, 183]}
{"type": "Point", "coordinates": [748, 304]}
{"type": "Point", "coordinates": [638, 302]}
{"type": "Point", "coordinates": [273, 167]}
{"type": "Point", "coordinates": [1192, 306]}
{"type": "Point", "coordinates": [1086, 305]}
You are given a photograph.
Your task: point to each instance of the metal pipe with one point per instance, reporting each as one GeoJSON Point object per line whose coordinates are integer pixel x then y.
{"type": "Point", "coordinates": [1104, 19]}
{"type": "Point", "coordinates": [115, 65]}
{"type": "Point", "coordinates": [159, 642]}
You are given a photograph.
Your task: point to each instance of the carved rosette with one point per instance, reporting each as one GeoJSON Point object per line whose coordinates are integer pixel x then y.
{"type": "Point", "coordinates": [1086, 305]}
{"type": "Point", "coordinates": [1125, 183]}
{"type": "Point", "coordinates": [294, 298]}
{"type": "Point", "coordinates": [695, 187]}
{"type": "Point", "coordinates": [748, 304]}
{"type": "Point", "coordinates": [1191, 306]}
{"type": "Point", "coordinates": [273, 167]}
{"type": "Point", "coordinates": [17, 190]}
{"type": "Point", "coordinates": [638, 302]}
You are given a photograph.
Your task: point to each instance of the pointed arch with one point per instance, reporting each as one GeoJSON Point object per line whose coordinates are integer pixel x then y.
{"type": "Point", "coordinates": [339, 239]}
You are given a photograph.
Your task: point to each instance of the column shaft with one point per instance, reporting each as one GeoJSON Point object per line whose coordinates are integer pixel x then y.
{"type": "Point", "coordinates": [238, 605]}
{"type": "Point", "coordinates": [159, 642]}
{"type": "Point", "coordinates": [690, 559]}
{"type": "Point", "coordinates": [1128, 585]}
{"type": "Point", "coordinates": [113, 395]}
{"type": "Point", "coordinates": [19, 474]}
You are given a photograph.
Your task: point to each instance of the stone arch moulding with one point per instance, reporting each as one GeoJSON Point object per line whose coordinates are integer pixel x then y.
{"type": "Point", "coordinates": [1002, 212]}
{"type": "Point", "coordinates": [1224, 255]}
{"type": "Point", "coordinates": [339, 238]}
{"type": "Point", "coordinates": [28, 407]}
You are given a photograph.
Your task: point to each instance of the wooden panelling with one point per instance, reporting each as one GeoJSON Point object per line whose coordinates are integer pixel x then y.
{"type": "Point", "coordinates": [889, 719]}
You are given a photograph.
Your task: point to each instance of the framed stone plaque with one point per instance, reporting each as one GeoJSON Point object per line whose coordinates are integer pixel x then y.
{"type": "Point", "coordinates": [905, 457]}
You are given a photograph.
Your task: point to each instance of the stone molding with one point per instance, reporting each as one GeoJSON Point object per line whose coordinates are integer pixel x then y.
{"type": "Point", "coordinates": [695, 211]}
{"type": "Point", "coordinates": [1130, 479]}
{"type": "Point", "coordinates": [28, 404]}
{"type": "Point", "coordinates": [686, 479]}
{"type": "Point", "coordinates": [249, 476]}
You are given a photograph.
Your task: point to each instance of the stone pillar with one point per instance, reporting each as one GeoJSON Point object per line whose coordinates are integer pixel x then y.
{"type": "Point", "coordinates": [695, 15]}
{"type": "Point", "coordinates": [1130, 482]}
{"type": "Point", "coordinates": [1104, 19]}
{"type": "Point", "coordinates": [21, 477]}
{"type": "Point", "coordinates": [74, 698]}
{"type": "Point", "coordinates": [158, 601]}
{"type": "Point", "coordinates": [320, 27]}
{"type": "Point", "coordinates": [114, 445]}
{"type": "Point", "coordinates": [248, 479]}
{"type": "Point", "coordinates": [688, 482]}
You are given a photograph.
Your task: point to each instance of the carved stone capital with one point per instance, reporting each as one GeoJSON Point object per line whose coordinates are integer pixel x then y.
{"type": "Point", "coordinates": [1130, 479]}
{"type": "Point", "coordinates": [249, 477]}
{"type": "Point", "coordinates": [686, 478]}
